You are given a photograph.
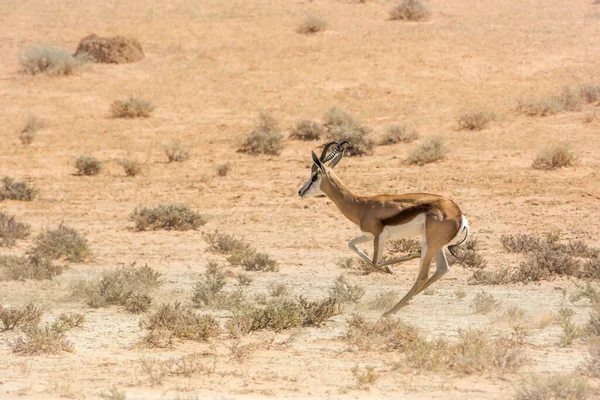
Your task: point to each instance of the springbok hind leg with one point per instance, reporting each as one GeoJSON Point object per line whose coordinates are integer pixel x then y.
{"type": "Point", "coordinates": [441, 269]}
{"type": "Point", "coordinates": [426, 257]}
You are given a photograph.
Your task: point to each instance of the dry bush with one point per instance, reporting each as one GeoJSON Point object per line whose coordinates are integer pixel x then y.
{"type": "Point", "coordinates": [61, 242]}
{"type": "Point", "coordinates": [340, 126]}
{"type": "Point", "coordinates": [475, 121]}
{"type": "Point", "coordinates": [223, 169]}
{"type": "Point", "coordinates": [275, 317]}
{"type": "Point", "coordinates": [544, 264]}
{"type": "Point", "coordinates": [521, 243]}
{"type": "Point", "coordinates": [571, 99]}
{"type": "Point", "coordinates": [460, 294]}
{"type": "Point", "coordinates": [113, 394]}
{"type": "Point", "coordinates": [239, 352]}
{"type": "Point", "coordinates": [187, 365]}
{"type": "Point", "coordinates": [171, 217]}
{"type": "Point", "coordinates": [589, 117]}
{"type": "Point", "coordinates": [317, 312]}
{"type": "Point", "coordinates": [244, 279]}
{"type": "Point", "coordinates": [468, 256]}
{"type": "Point", "coordinates": [129, 286]}
{"type": "Point", "coordinates": [11, 318]}
{"type": "Point", "coordinates": [384, 300]}
{"type": "Point", "coordinates": [405, 245]}
{"type": "Point", "coordinates": [590, 269]}
{"type": "Point", "coordinates": [346, 292]}
{"type": "Point", "coordinates": [501, 276]}
{"type": "Point", "coordinates": [592, 364]}
{"type": "Point", "coordinates": [388, 334]}
{"type": "Point", "coordinates": [178, 321]}
{"type": "Point", "coordinates": [87, 165]}
{"type": "Point", "coordinates": [41, 59]}
{"type": "Point", "coordinates": [432, 149]}
{"type": "Point", "coordinates": [589, 92]}
{"type": "Point", "coordinates": [66, 321]}
{"type": "Point", "coordinates": [553, 387]}
{"type": "Point", "coordinates": [240, 252]}
{"type": "Point", "coordinates": [410, 10]}
{"type": "Point", "coordinates": [366, 377]}
{"type": "Point", "coordinates": [540, 107]}
{"type": "Point", "coordinates": [11, 230]}
{"type": "Point", "coordinates": [554, 157]}
{"type": "Point", "coordinates": [264, 139]}
{"type": "Point", "coordinates": [255, 261]}
{"type": "Point", "coordinates": [571, 332]}
{"type": "Point", "coordinates": [208, 291]}
{"type": "Point", "coordinates": [32, 266]}
{"type": "Point", "coordinates": [176, 152]}
{"type": "Point", "coordinates": [312, 25]}
{"type": "Point", "coordinates": [29, 131]}
{"type": "Point", "coordinates": [131, 167]}
{"type": "Point", "coordinates": [223, 243]}
{"type": "Point", "coordinates": [131, 107]}
{"type": "Point", "coordinates": [398, 134]}
{"type": "Point", "coordinates": [278, 289]}
{"type": "Point", "coordinates": [484, 303]}
{"type": "Point", "coordinates": [12, 190]}
{"type": "Point", "coordinates": [358, 265]}
{"type": "Point", "coordinates": [306, 129]}
{"type": "Point", "coordinates": [41, 340]}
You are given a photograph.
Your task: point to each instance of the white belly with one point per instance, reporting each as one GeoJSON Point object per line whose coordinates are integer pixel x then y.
{"type": "Point", "coordinates": [410, 229]}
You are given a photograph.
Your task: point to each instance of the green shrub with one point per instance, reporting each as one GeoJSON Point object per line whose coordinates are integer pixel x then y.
{"type": "Point", "coordinates": [178, 217]}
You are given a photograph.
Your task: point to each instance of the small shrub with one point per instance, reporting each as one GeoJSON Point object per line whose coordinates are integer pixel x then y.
{"type": "Point", "coordinates": [570, 99]}
{"type": "Point", "coordinates": [405, 246]}
{"type": "Point", "coordinates": [264, 139]}
{"type": "Point", "coordinates": [410, 10]}
{"type": "Point", "coordinates": [398, 134]}
{"type": "Point", "coordinates": [484, 302]}
{"type": "Point", "coordinates": [29, 131]}
{"type": "Point", "coordinates": [306, 129]}
{"type": "Point", "coordinates": [131, 107]}
{"type": "Point", "coordinates": [176, 152]}
{"type": "Point", "coordinates": [553, 387]}
{"type": "Point", "coordinates": [129, 286]}
{"type": "Point", "coordinates": [11, 230]}
{"type": "Point", "coordinates": [40, 59]}
{"type": "Point", "coordinates": [275, 317]}
{"type": "Point", "coordinates": [468, 256]}
{"type": "Point", "coordinates": [186, 366]}
{"type": "Point", "coordinates": [340, 126]}
{"type": "Point", "coordinates": [431, 150]}
{"type": "Point", "coordinates": [32, 266]}
{"type": "Point", "coordinates": [460, 294]}
{"type": "Point", "coordinates": [177, 217]}
{"type": "Point", "coordinates": [11, 190]}
{"type": "Point", "coordinates": [521, 243]}
{"type": "Point", "coordinates": [41, 340]}
{"type": "Point", "coordinates": [590, 269]}
{"type": "Point", "coordinates": [345, 292]}
{"type": "Point", "coordinates": [11, 318]}
{"type": "Point", "coordinates": [113, 394]}
{"type": "Point", "coordinates": [589, 117]}
{"type": "Point", "coordinates": [358, 265]}
{"type": "Point", "coordinates": [244, 279]}
{"type": "Point", "coordinates": [540, 107]}
{"type": "Point", "coordinates": [254, 261]}
{"type": "Point", "coordinates": [277, 289]}
{"type": "Point", "coordinates": [475, 121]}
{"type": "Point", "coordinates": [312, 25]}
{"type": "Point", "coordinates": [131, 167]}
{"type": "Point", "coordinates": [208, 291]}
{"type": "Point", "coordinates": [66, 321]}
{"type": "Point", "coordinates": [542, 265]}
{"type": "Point", "coordinates": [554, 157]}
{"type": "Point", "coordinates": [589, 92]}
{"type": "Point", "coordinates": [592, 365]}
{"type": "Point", "coordinates": [388, 334]}
{"type": "Point", "coordinates": [179, 321]}
{"type": "Point", "coordinates": [366, 377]}
{"type": "Point", "coordinates": [570, 330]}
{"type": "Point", "coordinates": [88, 166]}
{"type": "Point", "coordinates": [317, 312]}
{"type": "Point", "coordinates": [61, 242]}
{"type": "Point", "coordinates": [223, 169]}
{"type": "Point", "coordinates": [223, 243]}
{"type": "Point", "coordinates": [501, 276]}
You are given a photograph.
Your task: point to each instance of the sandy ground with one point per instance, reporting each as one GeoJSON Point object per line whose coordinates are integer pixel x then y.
{"type": "Point", "coordinates": [211, 67]}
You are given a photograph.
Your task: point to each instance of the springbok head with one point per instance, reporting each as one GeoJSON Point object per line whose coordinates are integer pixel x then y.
{"type": "Point", "coordinates": [318, 170]}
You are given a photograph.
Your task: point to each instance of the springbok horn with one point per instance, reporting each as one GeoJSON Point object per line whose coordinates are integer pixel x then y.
{"type": "Point", "coordinates": [326, 149]}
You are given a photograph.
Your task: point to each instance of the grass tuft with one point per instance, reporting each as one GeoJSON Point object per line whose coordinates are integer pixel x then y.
{"type": "Point", "coordinates": [475, 121]}
{"type": "Point", "coordinates": [131, 107]}
{"type": "Point", "coordinates": [484, 302]}
{"type": "Point", "coordinates": [208, 291]}
{"type": "Point", "coordinates": [223, 169]}
{"type": "Point", "coordinates": [12, 190]}
{"type": "Point", "coordinates": [176, 152]}
{"type": "Point", "coordinates": [540, 107]}
{"type": "Point", "coordinates": [553, 387]}
{"type": "Point", "coordinates": [29, 131]}
{"type": "Point", "coordinates": [177, 217]}
{"type": "Point", "coordinates": [432, 149]}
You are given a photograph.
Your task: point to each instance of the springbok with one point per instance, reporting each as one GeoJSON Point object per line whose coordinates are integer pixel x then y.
{"type": "Point", "coordinates": [437, 219]}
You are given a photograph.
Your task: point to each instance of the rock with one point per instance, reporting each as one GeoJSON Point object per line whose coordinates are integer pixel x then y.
{"type": "Point", "coordinates": [111, 50]}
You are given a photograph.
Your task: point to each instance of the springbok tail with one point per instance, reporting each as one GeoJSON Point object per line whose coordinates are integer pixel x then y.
{"type": "Point", "coordinates": [463, 230]}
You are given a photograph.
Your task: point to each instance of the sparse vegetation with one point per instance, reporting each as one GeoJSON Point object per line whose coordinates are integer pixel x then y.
{"type": "Point", "coordinates": [131, 167]}
{"type": "Point", "coordinates": [176, 152]}
{"type": "Point", "coordinates": [239, 252]}
{"type": "Point", "coordinates": [41, 59]}
{"type": "Point", "coordinates": [208, 291]}
{"type": "Point", "coordinates": [11, 318]}
{"type": "Point", "coordinates": [460, 294]}
{"type": "Point", "coordinates": [555, 157]}
{"type": "Point", "coordinates": [223, 243]}
{"type": "Point", "coordinates": [29, 131]}
{"type": "Point", "coordinates": [540, 107]}
{"type": "Point", "coordinates": [264, 139]}
{"type": "Point", "coordinates": [432, 149]}
{"type": "Point", "coordinates": [131, 107]}
{"type": "Point", "coordinates": [500, 276]}
{"type": "Point", "coordinates": [11, 230]}
{"type": "Point", "coordinates": [484, 302]}
{"type": "Point", "coordinates": [41, 340]}
{"type": "Point", "coordinates": [410, 10]}
{"type": "Point", "coordinates": [398, 134]}
{"type": "Point", "coordinates": [312, 25]}
{"type": "Point", "coordinates": [405, 246]}
{"type": "Point", "coordinates": [244, 279]}
{"type": "Point", "coordinates": [223, 169]}
{"type": "Point", "coordinates": [87, 165]}
{"type": "Point", "coordinates": [340, 126]}
{"type": "Point", "coordinates": [358, 265]}
{"type": "Point", "coordinates": [66, 321]}
{"type": "Point", "coordinates": [61, 242]}
{"type": "Point", "coordinates": [176, 320]}
{"type": "Point", "coordinates": [176, 217]}
{"type": "Point", "coordinates": [589, 92]}
{"type": "Point", "coordinates": [384, 300]}
{"type": "Point", "coordinates": [12, 190]}
{"type": "Point", "coordinates": [129, 286]}
{"type": "Point", "coordinates": [366, 377]}
{"type": "Point", "coordinates": [553, 387]}
{"type": "Point", "coordinates": [346, 292]}
{"type": "Point", "coordinates": [278, 289]}
{"type": "Point", "coordinates": [468, 256]}
{"type": "Point", "coordinates": [306, 129]}
{"type": "Point", "coordinates": [255, 261]}
{"type": "Point", "coordinates": [570, 330]}
{"type": "Point", "coordinates": [32, 266]}
{"type": "Point", "coordinates": [475, 121]}
{"type": "Point", "coordinates": [187, 365]}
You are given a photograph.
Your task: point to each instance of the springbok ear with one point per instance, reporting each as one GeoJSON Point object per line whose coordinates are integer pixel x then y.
{"type": "Point", "coordinates": [318, 163]}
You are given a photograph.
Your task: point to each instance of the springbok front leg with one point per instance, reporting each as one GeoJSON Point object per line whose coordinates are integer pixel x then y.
{"type": "Point", "coordinates": [426, 257]}
{"type": "Point", "coordinates": [358, 240]}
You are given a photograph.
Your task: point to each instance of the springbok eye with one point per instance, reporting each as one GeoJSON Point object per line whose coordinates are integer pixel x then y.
{"type": "Point", "coordinates": [314, 178]}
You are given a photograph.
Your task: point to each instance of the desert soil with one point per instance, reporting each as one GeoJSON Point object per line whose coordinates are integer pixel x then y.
{"type": "Point", "coordinates": [210, 68]}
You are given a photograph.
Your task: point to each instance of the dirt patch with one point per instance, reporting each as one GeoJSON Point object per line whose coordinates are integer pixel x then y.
{"type": "Point", "coordinates": [110, 50]}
